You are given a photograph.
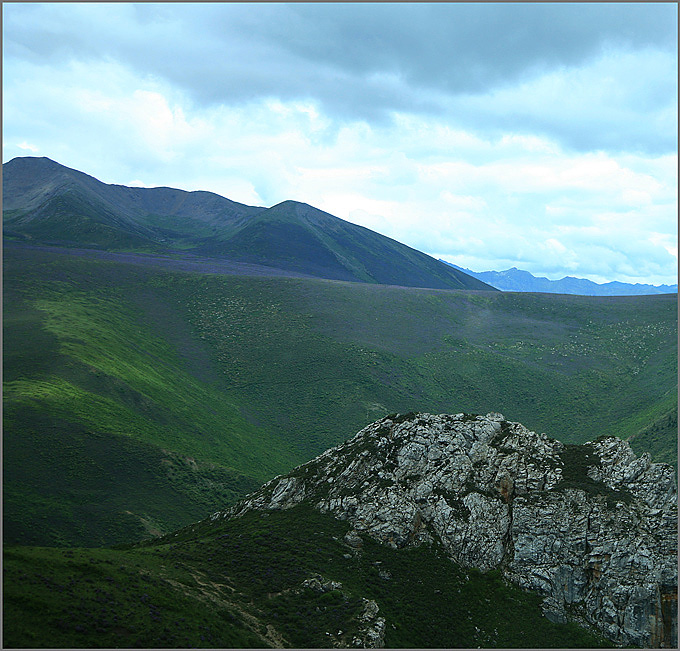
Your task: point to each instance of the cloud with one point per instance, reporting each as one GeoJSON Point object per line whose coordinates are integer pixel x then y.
{"type": "Point", "coordinates": [564, 69]}
{"type": "Point", "coordinates": [599, 105]}
{"type": "Point", "coordinates": [27, 146]}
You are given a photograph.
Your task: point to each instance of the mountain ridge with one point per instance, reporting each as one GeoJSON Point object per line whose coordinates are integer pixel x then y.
{"type": "Point", "coordinates": [24, 175]}
{"type": "Point", "coordinates": [518, 280]}
{"type": "Point", "coordinates": [46, 202]}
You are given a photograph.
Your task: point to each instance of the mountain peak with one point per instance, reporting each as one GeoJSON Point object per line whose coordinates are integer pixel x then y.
{"type": "Point", "coordinates": [30, 160]}
{"type": "Point", "coordinates": [558, 519]}
{"type": "Point", "coordinates": [285, 204]}
{"type": "Point", "coordinates": [35, 164]}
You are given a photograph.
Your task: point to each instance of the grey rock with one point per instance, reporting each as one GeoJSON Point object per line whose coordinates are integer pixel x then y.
{"type": "Point", "coordinates": [353, 539]}
{"type": "Point", "coordinates": [602, 550]}
{"type": "Point", "coordinates": [371, 634]}
{"type": "Point", "coordinates": [320, 584]}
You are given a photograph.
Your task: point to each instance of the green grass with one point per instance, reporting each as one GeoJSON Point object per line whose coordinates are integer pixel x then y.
{"type": "Point", "coordinates": [103, 598]}
{"type": "Point", "coordinates": [85, 378]}
{"type": "Point", "coordinates": [222, 584]}
{"type": "Point", "coordinates": [659, 438]}
{"type": "Point", "coordinates": [121, 357]}
{"type": "Point", "coordinates": [210, 385]}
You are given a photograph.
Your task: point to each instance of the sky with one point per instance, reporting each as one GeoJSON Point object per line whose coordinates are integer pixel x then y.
{"type": "Point", "coordinates": [492, 135]}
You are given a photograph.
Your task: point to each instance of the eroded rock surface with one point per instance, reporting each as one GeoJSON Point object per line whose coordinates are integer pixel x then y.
{"type": "Point", "coordinates": [592, 528]}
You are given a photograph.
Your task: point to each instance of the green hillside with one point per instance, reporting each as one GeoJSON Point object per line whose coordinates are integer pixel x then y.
{"type": "Point", "coordinates": [138, 399]}
{"type": "Point", "coordinates": [660, 437]}
{"type": "Point", "coordinates": [240, 584]}
{"type": "Point", "coordinates": [69, 218]}
{"type": "Point", "coordinates": [299, 237]}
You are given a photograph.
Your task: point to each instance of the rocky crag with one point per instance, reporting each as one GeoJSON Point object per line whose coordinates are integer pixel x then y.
{"type": "Point", "coordinates": [592, 528]}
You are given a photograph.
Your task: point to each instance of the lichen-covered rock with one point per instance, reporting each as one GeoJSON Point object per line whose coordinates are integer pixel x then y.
{"type": "Point", "coordinates": [371, 634]}
{"type": "Point", "coordinates": [592, 528]}
{"type": "Point", "coordinates": [320, 584]}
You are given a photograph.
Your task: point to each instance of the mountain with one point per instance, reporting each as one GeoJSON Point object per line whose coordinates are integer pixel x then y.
{"type": "Point", "coordinates": [449, 531]}
{"type": "Point", "coordinates": [516, 280]}
{"type": "Point", "coordinates": [169, 352]}
{"type": "Point", "coordinates": [44, 202]}
{"type": "Point", "coordinates": [298, 237]}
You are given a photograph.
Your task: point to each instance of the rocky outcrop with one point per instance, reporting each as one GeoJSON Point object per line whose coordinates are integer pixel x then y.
{"type": "Point", "coordinates": [370, 628]}
{"type": "Point", "coordinates": [592, 528]}
{"type": "Point", "coordinates": [371, 633]}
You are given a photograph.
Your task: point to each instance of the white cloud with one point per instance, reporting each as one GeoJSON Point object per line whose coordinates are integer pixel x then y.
{"type": "Point", "coordinates": [666, 241]}
{"type": "Point", "coordinates": [620, 101]}
{"type": "Point", "coordinates": [27, 146]}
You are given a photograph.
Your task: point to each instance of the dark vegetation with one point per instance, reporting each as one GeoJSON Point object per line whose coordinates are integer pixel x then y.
{"type": "Point", "coordinates": [659, 438]}
{"type": "Point", "coordinates": [576, 460]}
{"type": "Point", "coordinates": [139, 399]}
{"type": "Point", "coordinates": [238, 583]}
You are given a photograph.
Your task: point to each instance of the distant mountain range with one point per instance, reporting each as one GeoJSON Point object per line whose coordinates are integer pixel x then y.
{"type": "Point", "coordinates": [516, 280]}
{"type": "Point", "coordinates": [47, 203]}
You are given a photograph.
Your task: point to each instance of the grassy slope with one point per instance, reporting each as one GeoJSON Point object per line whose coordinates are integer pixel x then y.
{"type": "Point", "coordinates": [659, 438]}
{"type": "Point", "coordinates": [301, 238]}
{"type": "Point", "coordinates": [238, 584]}
{"type": "Point", "coordinates": [138, 400]}
{"type": "Point", "coordinates": [350, 353]}
{"type": "Point", "coordinates": [110, 428]}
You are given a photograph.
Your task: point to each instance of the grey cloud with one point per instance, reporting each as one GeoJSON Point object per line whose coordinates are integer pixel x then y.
{"type": "Point", "coordinates": [358, 60]}
{"type": "Point", "coordinates": [339, 54]}
{"type": "Point", "coordinates": [455, 47]}
{"type": "Point", "coordinates": [464, 47]}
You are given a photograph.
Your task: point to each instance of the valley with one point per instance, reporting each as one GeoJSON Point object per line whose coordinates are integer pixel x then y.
{"type": "Point", "coordinates": [204, 385]}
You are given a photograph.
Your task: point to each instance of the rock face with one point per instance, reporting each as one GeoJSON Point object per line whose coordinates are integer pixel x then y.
{"type": "Point", "coordinates": [592, 528]}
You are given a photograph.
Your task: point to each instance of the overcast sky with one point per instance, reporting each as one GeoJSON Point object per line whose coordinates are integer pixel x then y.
{"type": "Point", "coordinates": [541, 136]}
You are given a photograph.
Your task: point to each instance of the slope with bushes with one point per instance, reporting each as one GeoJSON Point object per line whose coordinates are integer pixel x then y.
{"type": "Point", "coordinates": [139, 398]}
{"type": "Point", "coordinates": [242, 584]}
